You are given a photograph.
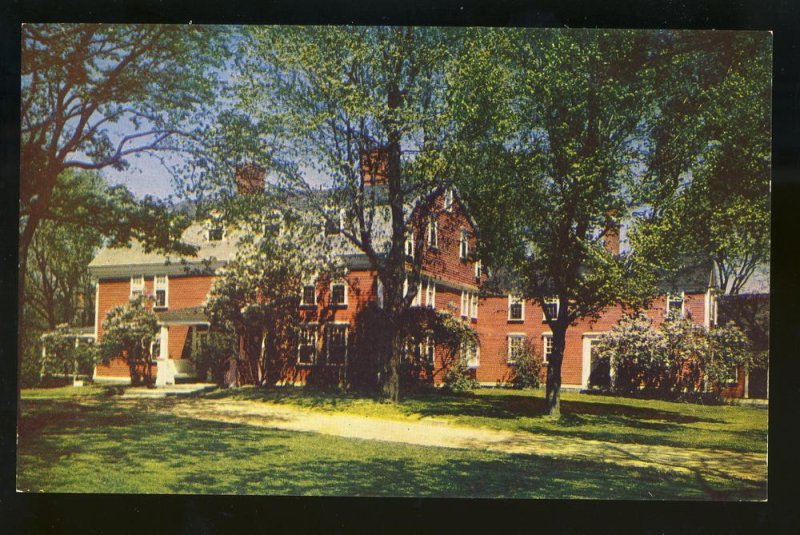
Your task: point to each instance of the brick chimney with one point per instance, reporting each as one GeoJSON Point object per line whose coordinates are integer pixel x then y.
{"type": "Point", "coordinates": [374, 167]}
{"type": "Point", "coordinates": [250, 178]}
{"type": "Point", "coordinates": [611, 234]}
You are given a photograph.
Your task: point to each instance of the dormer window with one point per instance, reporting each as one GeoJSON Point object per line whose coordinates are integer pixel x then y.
{"type": "Point", "coordinates": [448, 200]}
{"type": "Point", "coordinates": [338, 294]}
{"type": "Point", "coordinates": [675, 306]}
{"type": "Point", "coordinates": [463, 251]}
{"type": "Point", "coordinates": [516, 310]}
{"type": "Point", "coordinates": [433, 233]}
{"type": "Point", "coordinates": [216, 231]}
{"type": "Point", "coordinates": [550, 309]}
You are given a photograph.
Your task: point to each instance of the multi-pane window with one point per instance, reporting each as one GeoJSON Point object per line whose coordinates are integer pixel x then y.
{"type": "Point", "coordinates": [137, 286]}
{"type": "Point", "coordinates": [430, 350]}
{"type": "Point", "coordinates": [430, 293]}
{"type": "Point", "coordinates": [516, 310]}
{"type": "Point", "coordinates": [336, 343]}
{"type": "Point", "coordinates": [161, 284]}
{"type": "Point", "coordinates": [448, 200]}
{"type": "Point", "coordinates": [463, 251]}
{"type": "Point", "coordinates": [478, 268]}
{"type": "Point", "coordinates": [550, 308]}
{"type": "Point", "coordinates": [547, 347]}
{"type": "Point", "coordinates": [338, 294]}
{"type": "Point", "coordinates": [675, 305]}
{"type": "Point", "coordinates": [473, 309]}
{"type": "Point", "coordinates": [410, 246]}
{"type": "Point", "coordinates": [471, 354]}
{"type": "Point", "coordinates": [309, 297]}
{"type": "Point", "coordinates": [516, 347]}
{"type": "Point", "coordinates": [469, 304]}
{"type": "Point", "coordinates": [417, 300]}
{"type": "Point", "coordinates": [307, 344]}
{"type": "Point", "coordinates": [433, 232]}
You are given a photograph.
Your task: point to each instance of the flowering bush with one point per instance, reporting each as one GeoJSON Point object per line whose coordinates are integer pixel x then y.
{"type": "Point", "coordinates": [129, 332]}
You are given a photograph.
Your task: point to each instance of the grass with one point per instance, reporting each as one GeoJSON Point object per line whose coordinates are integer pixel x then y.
{"type": "Point", "coordinates": [608, 418]}
{"type": "Point", "coordinates": [81, 440]}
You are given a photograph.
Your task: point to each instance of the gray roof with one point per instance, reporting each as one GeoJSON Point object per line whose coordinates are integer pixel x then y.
{"type": "Point", "coordinates": [696, 277]}
{"type": "Point", "coordinates": [183, 315]}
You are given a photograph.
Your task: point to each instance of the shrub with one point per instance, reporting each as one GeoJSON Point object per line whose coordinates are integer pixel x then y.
{"type": "Point", "coordinates": [129, 332]}
{"type": "Point", "coordinates": [459, 379]}
{"type": "Point", "coordinates": [212, 360]}
{"type": "Point", "coordinates": [65, 357]}
{"type": "Point", "coordinates": [527, 366]}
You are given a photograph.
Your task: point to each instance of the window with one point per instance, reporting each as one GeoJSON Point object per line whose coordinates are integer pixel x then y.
{"type": "Point", "coordinates": [675, 305]}
{"type": "Point", "coordinates": [309, 297]}
{"type": "Point", "coordinates": [471, 355]}
{"type": "Point", "coordinates": [336, 344]}
{"type": "Point", "coordinates": [307, 345]}
{"type": "Point", "coordinates": [516, 310]}
{"type": "Point", "coordinates": [199, 339]}
{"type": "Point", "coordinates": [162, 291]}
{"type": "Point", "coordinates": [410, 246]}
{"type": "Point", "coordinates": [469, 304]}
{"type": "Point", "coordinates": [448, 200]}
{"type": "Point", "coordinates": [430, 293]}
{"type": "Point", "coordinates": [550, 308]}
{"type": "Point", "coordinates": [338, 294]}
{"type": "Point", "coordinates": [379, 292]}
{"type": "Point", "coordinates": [430, 350]}
{"type": "Point", "coordinates": [433, 233]}
{"type": "Point", "coordinates": [478, 269]}
{"type": "Point", "coordinates": [463, 251]}
{"type": "Point", "coordinates": [516, 346]}
{"type": "Point", "coordinates": [216, 231]}
{"type": "Point", "coordinates": [137, 286]}
{"type": "Point", "coordinates": [417, 301]}
{"type": "Point", "coordinates": [547, 347]}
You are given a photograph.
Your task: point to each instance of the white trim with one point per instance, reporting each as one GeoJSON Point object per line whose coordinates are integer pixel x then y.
{"type": "Point", "coordinates": [463, 245]}
{"type": "Point", "coordinates": [449, 200]}
{"type": "Point", "coordinates": [433, 232]}
{"type": "Point", "coordinates": [509, 337]}
{"type": "Point", "coordinates": [551, 301]}
{"type": "Point", "coordinates": [478, 269]}
{"type": "Point", "coordinates": [165, 288]}
{"type": "Point", "coordinates": [707, 309]}
{"type": "Point", "coordinates": [96, 307]}
{"type": "Point", "coordinates": [514, 300]}
{"type": "Point", "coordinates": [547, 336]}
{"type": "Point", "coordinates": [314, 327]}
{"type": "Point", "coordinates": [346, 326]}
{"type": "Point", "coordinates": [303, 302]}
{"type": "Point", "coordinates": [430, 293]}
{"type": "Point", "coordinates": [586, 356]}
{"type": "Point", "coordinates": [330, 299]}
{"type": "Point", "coordinates": [163, 347]}
{"type": "Point", "coordinates": [409, 245]}
{"type": "Point", "coordinates": [379, 292]}
{"type": "Point", "coordinates": [683, 304]}
{"type": "Point", "coordinates": [136, 287]}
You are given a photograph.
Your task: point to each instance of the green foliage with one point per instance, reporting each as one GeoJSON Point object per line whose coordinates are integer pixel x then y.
{"type": "Point", "coordinates": [527, 366]}
{"type": "Point", "coordinates": [679, 359]}
{"type": "Point", "coordinates": [66, 354]}
{"type": "Point", "coordinates": [459, 379]}
{"type": "Point", "coordinates": [212, 360]}
{"type": "Point", "coordinates": [128, 332]}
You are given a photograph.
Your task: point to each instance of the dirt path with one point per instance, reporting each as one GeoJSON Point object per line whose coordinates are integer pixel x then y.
{"type": "Point", "coordinates": [705, 462]}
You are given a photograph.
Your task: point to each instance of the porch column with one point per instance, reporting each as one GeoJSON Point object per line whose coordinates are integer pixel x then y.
{"type": "Point", "coordinates": [163, 349]}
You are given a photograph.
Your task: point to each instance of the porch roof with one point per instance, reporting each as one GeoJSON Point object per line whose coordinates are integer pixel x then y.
{"type": "Point", "coordinates": [183, 316]}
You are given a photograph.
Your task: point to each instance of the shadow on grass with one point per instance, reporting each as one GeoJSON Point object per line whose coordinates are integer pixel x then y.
{"type": "Point", "coordinates": [131, 448]}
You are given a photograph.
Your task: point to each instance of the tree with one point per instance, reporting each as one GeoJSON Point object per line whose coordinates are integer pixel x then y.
{"type": "Point", "coordinates": [65, 354]}
{"type": "Point", "coordinates": [93, 96]}
{"type": "Point", "coordinates": [329, 97]}
{"type": "Point", "coordinates": [548, 157]}
{"type": "Point", "coordinates": [130, 331]}
{"type": "Point", "coordinates": [256, 295]}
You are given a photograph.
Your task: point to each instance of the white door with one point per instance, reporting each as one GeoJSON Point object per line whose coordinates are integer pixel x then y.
{"type": "Point", "coordinates": [589, 340]}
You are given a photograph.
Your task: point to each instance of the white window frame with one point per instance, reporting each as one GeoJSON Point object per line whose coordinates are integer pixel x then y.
{"type": "Point", "coordinates": [430, 293]}
{"type": "Point", "coordinates": [433, 232]}
{"type": "Point", "coordinates": [379, 292]}
{"type": "Point", "coordinates": [136, 285]}
{"type": "Point", "coordinates": [161, 286]}
{"type": "Point", "coordinates": [464, 304]}
{"type": "Point", "coordinates": [409, 246]}
{"type": "Point", "coordinates": [471, 355]}
{"type": "Point", "coordinates": [303, 302]}
{"type": "Point", "coordinates": [449, 200]}
{"type": "Point", "coordinates": [551, 301]}
{"type": "Point", "coordinates": [478, 268]}
{"type": "Point", "coordinates": [301, 342]}
{"type": "Point", "coordinates": [338, 283]}
{"type": "Point", "coordinates": [547, 340]}
{"type": "Point", "coordinates": [463, 245]}
{"type": "Point", "coordinates": [430, 351]}
{"type": "Point", "coordinates": [510, 358]}
{"type": "Point", "coordinates": [328, 343]}
{"type": "Point", "coordinates": [474, 307]}
{"type": "Point", "coordinates": [683, 304]}
{"type": "Point", "coordinates": [417, 301]}
{"type": "Point", "coordinates": [516, 300]}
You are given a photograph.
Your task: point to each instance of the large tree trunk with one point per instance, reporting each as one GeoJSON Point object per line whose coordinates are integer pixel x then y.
{"type": "Point", "coordinates": [390, 375]}
{"type": "Point", "coordinates": [553, 389]}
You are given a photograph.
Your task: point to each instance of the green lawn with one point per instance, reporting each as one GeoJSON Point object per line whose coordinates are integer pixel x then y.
{"type": "Point", "coordinates": [81, 440]}
{"type": "Point", "coordinates": [615, 419]}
